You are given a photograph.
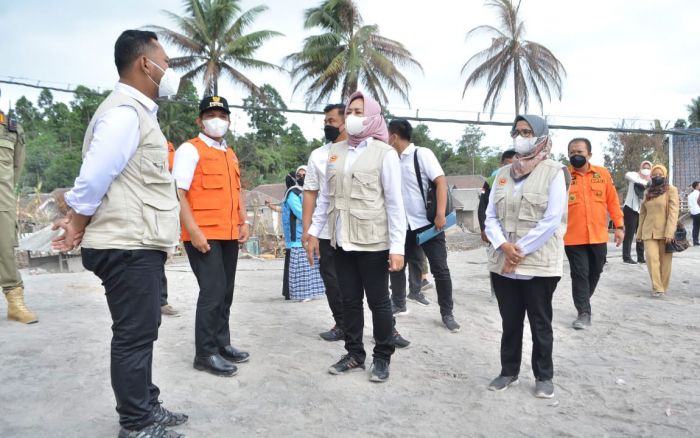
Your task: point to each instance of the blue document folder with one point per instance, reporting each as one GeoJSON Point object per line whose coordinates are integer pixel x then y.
{"type": "Point", "coordinates": [431, 232]}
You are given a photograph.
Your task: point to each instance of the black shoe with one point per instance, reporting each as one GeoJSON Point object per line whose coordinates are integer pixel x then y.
{"type": "Point", "coordinates": [641, 261]}
{"type": "Point", "coordinates": [334, 334]}
{"type": "Point", "coordinates": [215, 364]}
{"type": "Point", "coordinates": [501, 383]}
{"type": "Point", "coordinates": [398, 311]}
{"type": "Point", "coordinates": [399, 341]}
{"type": "Point", "coordinates": [583, 321]}
{"type": "Point", "coordinates": [345, 364]}
{"type": "Point", "coordinates": [167, 418]}
{"type": "Point", "coordinates": [152, 431]}
{"type": "Point", "coordinates": [426, 284]}
{"type": "Point", "coordinates": [629, 261]}
{"type": "Point", "coordinates": [379, 371]}
{"type": "Point", "coordinates": [450, 323]}
{"type": "Point", "coordinates": [234, 355]}
{"type": "Point", "coordinates": [418, 298]}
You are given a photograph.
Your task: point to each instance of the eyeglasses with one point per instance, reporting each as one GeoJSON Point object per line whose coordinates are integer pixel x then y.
{"type": "Point", "coordinates": [522, 132]}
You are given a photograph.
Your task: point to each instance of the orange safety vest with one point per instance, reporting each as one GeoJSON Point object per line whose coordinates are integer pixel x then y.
{"type": "Point", "coordinates": [214, 195]}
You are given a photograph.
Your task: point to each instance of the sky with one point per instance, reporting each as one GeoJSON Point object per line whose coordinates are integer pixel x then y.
{"type": "Point", "coordinates": [633, 60]}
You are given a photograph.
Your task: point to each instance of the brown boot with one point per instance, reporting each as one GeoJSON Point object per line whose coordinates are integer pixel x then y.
{"type": "Point", "coordinates": [16, 309]}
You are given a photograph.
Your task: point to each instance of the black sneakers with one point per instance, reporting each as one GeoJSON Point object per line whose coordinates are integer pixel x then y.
{"type": "Point", "coordinates": [418, 298]}
{"type": "Point", "coordinates": [153, 431]}
{"type": "Point", "coordinates": [629, 261]}
{"type": "Point", "coordinates": [398, 311]}
{"type": "Point", "coordinates": [426, 284]}
{"type": "Point", "coordinates": [583, 321]}
{"type": "Point", "coordinates": [334, 334]}
{"type": "Point", "coordinates": [450, 323]}
{"type": "Point", "coordinates": [345, 364]}
{"type": "Point", "coordinates": [399, 341]}
{"type": "Point", "coordinates": [379, 371]}
{"type": "Point", "coordinates": [167, 418]}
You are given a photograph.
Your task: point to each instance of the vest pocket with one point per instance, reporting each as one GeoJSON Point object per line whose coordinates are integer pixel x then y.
{"type": "Point", "coordinates": [154, 167]}
{"type": "Point", "coordinates": [533, 206]}
{"type": "Point", "coordinates": [161, 222]}
{"type": "Point", "coordinates": [206, 211]}
{"type": "Point", "coordinates": [365, 186]}
{"type": "Point", "coordinates": [364, 227]}
{"type": "Point", "coordinates": [212, 174]}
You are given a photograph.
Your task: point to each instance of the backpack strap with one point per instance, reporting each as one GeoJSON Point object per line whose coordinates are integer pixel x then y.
{"type": "Point", "coordinates": [418, 176]}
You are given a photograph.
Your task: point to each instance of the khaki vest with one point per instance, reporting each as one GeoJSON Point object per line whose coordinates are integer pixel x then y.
{"type": "Point", "coordinates": [357, 198]}
{"type": "Point", "coordinates": [140, 209]}
{"type": "Point", "coordinates": [518, 213]}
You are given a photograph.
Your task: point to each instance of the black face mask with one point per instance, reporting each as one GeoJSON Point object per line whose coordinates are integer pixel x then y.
{"type": "Point", "coordinates": [331, 133]}
{"type": "Point", "coordinates": [657, 180]}
{"type": "Point", "coordinates": [577, 161]}
{"type": "Point", "coordinates": [300, 181]}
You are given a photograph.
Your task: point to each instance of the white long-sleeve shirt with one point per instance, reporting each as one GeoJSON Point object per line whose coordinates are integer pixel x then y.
{"type": "Point", "coordinates": [557, 202]}
{"type": "Point", "coordinates": [632, 200]}
{"type": "Point", "coordinates": [315, 179]}
{"type": "Point", "coordinates": [693, 202]}
{"type": "Point", "coordinates": [115, 137]}
{"type": "Point", "coordinates": [393, 201]}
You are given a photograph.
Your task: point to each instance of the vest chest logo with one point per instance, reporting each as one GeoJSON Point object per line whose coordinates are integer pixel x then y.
{"type": "Point", "coordinates": [572, 198]}
{"type": "Point", "coordinates": [332, 158]}
{"type": "Point", "coordinates": [502, 181]}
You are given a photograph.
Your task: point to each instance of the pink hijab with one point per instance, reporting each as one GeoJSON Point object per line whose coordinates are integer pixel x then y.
{"type": "Point", "coordinates": [641, 166]}
{"type": "Point", "coordinates": [374, 125]}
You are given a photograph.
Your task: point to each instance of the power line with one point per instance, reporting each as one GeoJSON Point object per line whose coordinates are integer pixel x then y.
{"type": "Point", "coordinates": [417, 119]}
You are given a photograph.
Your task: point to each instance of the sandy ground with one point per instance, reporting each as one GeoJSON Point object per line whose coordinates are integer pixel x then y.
{"type": "Point", "coordinates": [636, 372]}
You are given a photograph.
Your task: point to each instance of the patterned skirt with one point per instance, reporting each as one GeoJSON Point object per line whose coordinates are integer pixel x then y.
{"type": "Point", "coordinates": [304, 281]}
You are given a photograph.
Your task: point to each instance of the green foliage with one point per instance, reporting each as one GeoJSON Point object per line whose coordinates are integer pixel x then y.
{"type": "Point", "coordinates": [625, 152]}
{"type": "Point", "coordinates": [694, 113]}
{"type": "Point", "coordinates": [177, 116]}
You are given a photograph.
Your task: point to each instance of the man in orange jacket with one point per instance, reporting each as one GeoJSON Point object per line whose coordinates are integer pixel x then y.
{"type": "Point", "coordinates": [213, 215]}
{"type": "Point", "coordinates": [592, 198]}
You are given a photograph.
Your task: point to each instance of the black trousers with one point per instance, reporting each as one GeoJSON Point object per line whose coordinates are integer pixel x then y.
{"type": "Point", "coordinates": [360, 273]}
{"type": "Point", "coordinates": [216, 274]}
{"type": "Point", "coordinates": [285, 275]}
{"type": "Point", "coordinates": [696, 228]}
{"type": "Point", "coordinates": [586, 263]}
{"type": "Point", "coordinates": [330, 280]}
{"type": "Point", "coordinates": [435, 250]}
{"type": "Point", "coordinates": [164, 291]}
{"type": "Point", "coordinates": [415, 272]}
{"type": "Point", "coordinates": [132, 282]}
{"type": "Point", "coordinates": [631, 223]}
{"type": "Point", "coordinates": [515, 298]}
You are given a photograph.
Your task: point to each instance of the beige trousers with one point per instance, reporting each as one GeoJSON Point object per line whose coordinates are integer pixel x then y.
{"type": "Point", "coordinates": [658, 263]}
{"type": "Point", "coordinates": [9, 275]}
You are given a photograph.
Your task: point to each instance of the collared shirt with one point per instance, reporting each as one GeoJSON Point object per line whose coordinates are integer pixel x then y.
{"type": "Point", "coordinates": [315, 179]}
{"type": "Point", "coordinates": [591, 198]}
{"type": "Point", "coordinates": [413, 200]}
{"type": "Point", "coordinates": [632, 200]}
{"type": "Point", "coordinates": [186, 159]}
{"type": "Point", "coordinates": [693, 202]}
{"type": "Point", "coordinates": [543, 231]}
{"type": "Point", "coordinates": [393, 201]}
{"type": "Point", "coordinates": [115, 138]}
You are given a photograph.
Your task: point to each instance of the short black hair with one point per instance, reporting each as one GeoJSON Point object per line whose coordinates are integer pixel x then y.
{"type": "Point", "coordinates": [402, 128]}
{"type": "Point", "coordinates": [582, 139]}
{"type": "Point", "coordinates": [335, 106]}
{"type": "Point", "coordinates": [695, 184]}
{"type": "Point", "coordinates": [130, 45]}
{"type": "Point", "coordinates": [510, 153]}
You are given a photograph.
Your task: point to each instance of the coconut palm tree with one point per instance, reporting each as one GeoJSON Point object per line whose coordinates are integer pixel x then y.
{"type": "Point", "coordinates": [532, 67]}
{"type": "Point", "coordinates": [348, 54]}
{"type": "Point", "coordinates": [212, 38]}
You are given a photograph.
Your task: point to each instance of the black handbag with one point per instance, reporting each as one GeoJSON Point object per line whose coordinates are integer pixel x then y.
{"type": "Point", "coordinates": [680, 237]}
{"type": "Point", "coordinates": [430, 200]}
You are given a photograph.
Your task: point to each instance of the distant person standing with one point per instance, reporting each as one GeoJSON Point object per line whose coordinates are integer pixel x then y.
{"type": "Point", "coordinates": [213, 215]}
{"type": "Point", "coordinates": [694, 208]}
{"type": "Point", "coordinates": [592, 199]}
{"type": "Point", "coordinates": [315, 181]}
{"type": "Point", "coordinates": [638, 182]}
{"type": "Point", "coordinates": [658, 219]}
{"type": "Point", "coordinates": [11, 161]}
{"type": "Point", "coordinates": [123, 206]}
{"type": "Point", "coordinates": [419, 167]}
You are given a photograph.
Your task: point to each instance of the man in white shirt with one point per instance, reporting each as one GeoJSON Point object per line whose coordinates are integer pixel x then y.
{"type": "Point", "coordinates": [334, 130]}
{"type": "Point", "coordinates": [694, 208]}
{"type": "Point", "coordinates": [123, 208]}
{"type": "Point", "coordinates": [423, 160]}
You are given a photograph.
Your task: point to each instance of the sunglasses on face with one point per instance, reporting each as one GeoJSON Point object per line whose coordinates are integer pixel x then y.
{"type": "Point", "coordinates": [522, 132]}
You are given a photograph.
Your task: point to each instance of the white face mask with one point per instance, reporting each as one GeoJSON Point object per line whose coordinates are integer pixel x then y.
{"type": "Point", "coordinates": [354, 124]}
{"type": "Point", "coordinates": [169, 83]}
{"type": "Point", "coordinates": [645, 172]}
{"type": "Point", "coordinates": [523, 145]}
{"type": "Point", "coordinates": [216, 127]}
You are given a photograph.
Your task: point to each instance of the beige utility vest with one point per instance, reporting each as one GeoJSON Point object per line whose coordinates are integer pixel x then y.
{"type": "Point", "coordinates": [140, 209]}
{"type": "Point", "coordinates": [357, 198]}
{"type": "Point", "coordinates": [520, 212]}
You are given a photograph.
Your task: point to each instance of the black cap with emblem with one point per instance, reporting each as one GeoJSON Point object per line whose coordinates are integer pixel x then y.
{"type": "Point", "coordinates": [213, 102]}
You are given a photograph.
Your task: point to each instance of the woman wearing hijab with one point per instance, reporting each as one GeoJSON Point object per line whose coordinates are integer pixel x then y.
{"type": "Point", "coordinates": [638, 182]}
{"type": "Point", "coordinates": [364, 211]}
{"type": "Point", "coordinates": [658, 218]}
{"type": "Point", "coordinates": [525, 222]}
{"type": "Point", "coordinates": [303, 280]}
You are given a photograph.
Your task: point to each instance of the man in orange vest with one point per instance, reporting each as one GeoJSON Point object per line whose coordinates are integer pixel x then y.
{"type": "Point", "coordinates": [592, 198]}
{"type": "Point", "coordinates": [213, 216]}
